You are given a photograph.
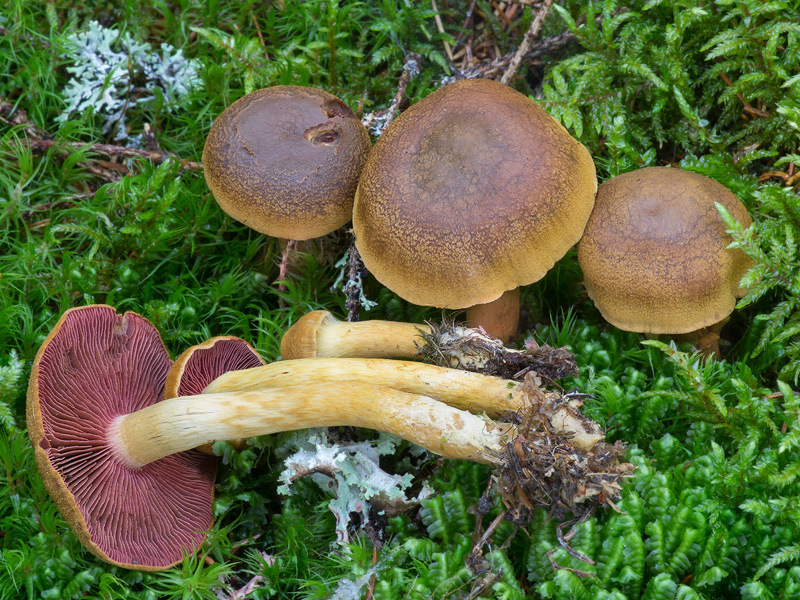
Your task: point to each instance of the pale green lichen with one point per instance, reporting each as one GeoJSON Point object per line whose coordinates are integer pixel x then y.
{"type": "Point", "coordinates": [350, 471]}
{"type": "Point", "coordinates": [112, 73]}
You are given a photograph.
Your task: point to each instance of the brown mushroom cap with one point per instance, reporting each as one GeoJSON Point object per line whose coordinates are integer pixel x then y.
{"type": "Point", "coordinates": [94, 367]}
{"type": "Point", "coordinates": [654, 254]}
{"type": "Point", "coordinates": [472, 191]}
{"type": "Point", "coordinates": [285, 161]}
{"type": "Point", "coordinates": [199, 365]}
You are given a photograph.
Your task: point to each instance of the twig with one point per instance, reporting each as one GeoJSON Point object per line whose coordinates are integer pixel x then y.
{"type": "Point", "coordinates": [112, 150]}
{"type": "Point", "coordinates": [467, 19]}
{"type": "Point", "coordinates": [746, 106]}
{"type": "Point", "coordinates": [564, 539]}
{"type": "Point", "coordinates": [532, 32]}
{"type": "Point", "coordinates": [285, 266]}
{"type": "Point", "coordinates": [372, 579]}
{"type": "Point", "coordinates": [490, 530]}
{"type": "Point", "coordinates": [378, 120]}
{"type": "Point", "coordinates": [440, 27]}
{"type": "Point", "coordinates": [16, 116]}
{"type": "Point", "coordinates": [258, 32]}
{"type": "Point", "coordinates": [490, 70]}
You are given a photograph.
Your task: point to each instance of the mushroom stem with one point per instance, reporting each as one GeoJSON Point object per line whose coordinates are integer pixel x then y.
{"type": "Point", "coordinates": [463, 390]}
{"type": "Point", "coordinates": [186, 422]}
{"type": "Point", "coordinates": [499, 318]}
{"type": "Point", "coordinates": [319, 333]}
{"type": "Point", "coordinates": [705, 339]}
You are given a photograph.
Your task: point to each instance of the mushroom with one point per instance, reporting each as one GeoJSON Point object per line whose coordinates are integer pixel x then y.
{"type": "Point", "coordinates": [235, 364]}
{"type": "Point", "coordinates": [201, 364]}
{"type": "Point", "coordinates": [120, 465]}
{"type": "Point", "coordinates": [93, 367]}
{"type": "Point", "coordinates": [285, 161]}
{"type": "Point", "coordinates": [320, 334]}
{"type": "Point", "coordinates": [470, 193]}
{"type": "Point", "coordinates": [654, 254]}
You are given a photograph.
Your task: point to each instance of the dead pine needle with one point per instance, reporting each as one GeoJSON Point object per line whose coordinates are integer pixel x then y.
{"type": "Point", "coordinates": [527, 40]}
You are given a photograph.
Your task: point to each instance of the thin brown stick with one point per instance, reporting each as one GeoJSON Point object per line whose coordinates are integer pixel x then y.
{"type": "Point", "coordinates": [533, 31]}
{"type": "Point", "coordinates": [258, 32]}
{"type": "Point", "coordinates": [492, 69]}
{"type": "Point", "coordinates": [379, 120]}
{"type": "Point", "coordinates": [467, 19]}
{"type": "Point", "coordinates": [113, 151]}
{"type": "Point", "coordinates": [440, 27]}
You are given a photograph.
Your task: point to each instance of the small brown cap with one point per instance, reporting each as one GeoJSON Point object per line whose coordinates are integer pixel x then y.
{"type": "Point", "coordinates": [94, 367]}
{"type": "Point", "coordinates": [201, 364]}
{"type": "Point", "coordinates": [472, 191]}
{"type": "Point", "coordinates": [654, 254]}
{"type": "Point", "coordinates": [285, 161]}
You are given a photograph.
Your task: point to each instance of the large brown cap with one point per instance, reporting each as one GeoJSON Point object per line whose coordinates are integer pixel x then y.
{"type": "Point", "coordinates": [472, 191]}
{"type": "Point", "coordinates": [654, 254]}
{"type": "Point", "coordinates": [94, 367]}
{"type": "Point", "coordinates": [285, 161]}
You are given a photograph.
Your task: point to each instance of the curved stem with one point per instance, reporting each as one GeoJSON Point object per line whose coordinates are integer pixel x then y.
{"type": "Point", "coordinates": [319, 334]}
{"type": "Point", "coordinates": [186, 422]}
{"type": "Point", "coordinates": [463, 390]}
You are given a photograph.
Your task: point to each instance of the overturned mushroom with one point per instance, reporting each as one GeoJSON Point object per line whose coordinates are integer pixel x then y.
{"type": "Point", "coordinates": [199, 365]}
{"type": "Point", "coordinates": [320, 334]}
{"type": "Point", "coordinates": [93, 367]}
{"type": "Point", "coordinates": [100, 434]}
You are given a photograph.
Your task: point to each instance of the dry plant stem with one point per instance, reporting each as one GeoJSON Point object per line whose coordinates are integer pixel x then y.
{"type": "Point", "coordinates": [438, 20]}
{"type": "Point", "coordinates": [499, 319]}
{"type": "Point", "coordinates": [463, 390]}
{"type": "Point", "coordinates": [111, 150]}
{"type": "Point", "coordinates": [186, 422]}
{"type": "Point", "coordinates": [534, 30]}
{"type": "Point", "coordinates": [412, 64]}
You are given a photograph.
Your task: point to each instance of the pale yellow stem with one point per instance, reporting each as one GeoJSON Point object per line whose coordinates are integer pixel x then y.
{"type": "Point", "coordinates": [463, 390]}
{"type": "Point", "coordinates": [319, 333]}
{"type": "Point", "coordinates": [183, 423]}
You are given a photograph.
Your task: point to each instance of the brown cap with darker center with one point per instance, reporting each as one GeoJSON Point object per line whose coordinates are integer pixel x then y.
{"type": "Point", "coordinates": [285, 161]}
{"type": "Point", "coordinates": [96, 366]}
{"type": "Point", "coordinates": [472, 191]}
{"type": "Point", "coordinates": [654, 254]}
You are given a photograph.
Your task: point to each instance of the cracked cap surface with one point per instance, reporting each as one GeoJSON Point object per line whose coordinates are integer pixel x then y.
{"type": "Point", "coordinates": [472, 191]}
{"type": "Point", "coordinates": [654, 255]}
{"type": "Point", "coordinates": [285, 161]}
